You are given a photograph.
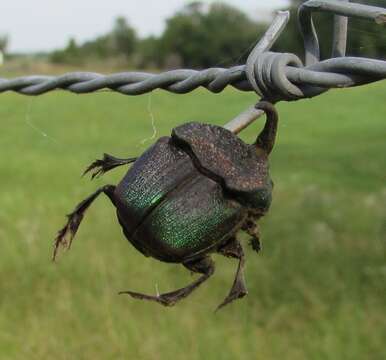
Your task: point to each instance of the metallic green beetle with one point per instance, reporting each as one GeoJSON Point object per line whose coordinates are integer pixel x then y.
{"type": "Point", "coordinates": [187, 196]}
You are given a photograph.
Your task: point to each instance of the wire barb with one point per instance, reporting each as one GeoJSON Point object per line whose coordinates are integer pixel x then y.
{"type": "Point", "coordinates": [276, 76]}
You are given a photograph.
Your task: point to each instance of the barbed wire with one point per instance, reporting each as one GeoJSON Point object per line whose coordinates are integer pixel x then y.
{"type": "Point", "coordinates": [331, 73]}
{"type": "Point", "coordinates": [277, 76]}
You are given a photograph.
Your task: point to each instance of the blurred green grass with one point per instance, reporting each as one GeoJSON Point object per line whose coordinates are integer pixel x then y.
{"type": "Point", "coordinates": [316, 291]}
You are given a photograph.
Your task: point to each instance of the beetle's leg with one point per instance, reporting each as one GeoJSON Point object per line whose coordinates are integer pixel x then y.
{"type": "Point", "coordinates": [204, 266]}
{"type": "Point", "coordinates": [266, 139]}
{"type": "Point", "coordinates": [233, 249]}
{"type": "Point", "coordinates": [67, 233]}
{"type": "Point", "coordinates": [108, 163]}
{"type": "Point", "coordinates": [252, 229]}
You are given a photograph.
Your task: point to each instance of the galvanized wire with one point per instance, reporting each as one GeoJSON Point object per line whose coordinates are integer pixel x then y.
{"type": "Point", "coordinates": [277, 76]}
{"type": "Point", "coordinates": [343, 8]}
{"type": "Point", "coordinates": [331, 73]}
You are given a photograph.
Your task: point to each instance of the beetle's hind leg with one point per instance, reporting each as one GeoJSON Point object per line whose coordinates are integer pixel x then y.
{"type": "Point", "coordinates": [67, 233]}
{"type": "Point", "coordinates": [234, 249]}
{"type": "Point", "coordinates": [109, 162]}
{"type": "Point", "coordinates": [204, 266]}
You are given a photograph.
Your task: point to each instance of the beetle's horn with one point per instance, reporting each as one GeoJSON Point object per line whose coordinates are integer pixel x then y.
{"type": "Point", "coordinates": [266, 139]}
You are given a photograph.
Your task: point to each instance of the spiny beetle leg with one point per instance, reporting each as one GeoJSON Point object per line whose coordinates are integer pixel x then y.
{"type": "Point", "coordinates": [108, 163]}
{"type": "Point", "coordinates": [67, 233]}
{"type": "Point", "coordinates": [252, 229]}
{"type": "Point", "coordinates": [233, 249]}
{"type": "Point", "coordinates": [203, 266]}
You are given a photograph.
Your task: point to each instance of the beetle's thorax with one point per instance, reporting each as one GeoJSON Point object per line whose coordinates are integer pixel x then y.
{"type": "Point", "coordinates": [190, 192]}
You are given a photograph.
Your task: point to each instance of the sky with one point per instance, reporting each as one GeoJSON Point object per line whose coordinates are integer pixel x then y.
{"type": "Point", "coordinates": [39, 25]}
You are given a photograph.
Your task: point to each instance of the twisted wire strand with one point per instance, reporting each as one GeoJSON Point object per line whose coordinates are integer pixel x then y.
{"type": "Point", "coordinates": [331, 73]}
{"type": "Point", "coordinates": [278, 76]}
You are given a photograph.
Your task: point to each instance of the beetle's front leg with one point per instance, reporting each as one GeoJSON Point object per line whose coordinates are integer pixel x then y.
{"type": "Point", "coordinates": [252, 229]}
{"type": "Point", "coordinates": [203, 266]}
{"type": "Point", "coordinates": [67, 233]}
{"type": "Point", "coordinates": [234, 249]}
{"type": "Point", "coordinates": [108, 163]}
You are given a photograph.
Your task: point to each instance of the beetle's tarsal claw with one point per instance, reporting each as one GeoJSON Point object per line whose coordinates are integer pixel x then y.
{"type": "Point", "coordinates": [255, 244]}
{"type": "Point", "coordinates": [168, 299]}
{"type": "Point", "coordinates": [67, 233]}
{"type": "Point", "coordinates": [98, 166]}
{"type": "Point", "coordinates": [204, 266]}
{"type": "Point", "coordinates": [109, 162]}
{"type": "Point", "coordinates": [234, 249]}
{"type": "Point", "coordinates": [238, 291]}
{"type": "Point", "coordinates": [252, 229]}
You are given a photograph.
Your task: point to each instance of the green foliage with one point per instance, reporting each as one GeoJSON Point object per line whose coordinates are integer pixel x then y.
{"type": "Point", "coordinates": [123, 38]}
{"type": "Point", "coordinates": [120, 42]}
{"type": "Point", "coordinates": [4, 41]}
{"type": "Point", "coordinates": [148, 54]}
{"type": "Point", "coordinates": [204, 39]}
{"type": "Point", "coordinates": [100, 48]}
{"type": "Point", "coordinates": [316, 291]}
{"type": "Point", "coordinates": [365, 37]}
{"type": "Point", "coordinates": [70, 55]}
{"type": "Point", "coordinates": [193, 37]}
{"type": "Point", "coordinates": [201, 36]}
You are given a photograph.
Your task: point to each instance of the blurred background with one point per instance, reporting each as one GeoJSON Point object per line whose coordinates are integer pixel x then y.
{"type": "Point", "coordinates": [318, 288]}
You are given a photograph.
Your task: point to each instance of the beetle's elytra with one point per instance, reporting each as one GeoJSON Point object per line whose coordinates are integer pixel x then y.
{"type": "Point", "coordinates": [187, 196]}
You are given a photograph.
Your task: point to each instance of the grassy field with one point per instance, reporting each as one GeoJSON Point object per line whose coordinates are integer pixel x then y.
{"type": "Point", "coordinates": [316, 291]}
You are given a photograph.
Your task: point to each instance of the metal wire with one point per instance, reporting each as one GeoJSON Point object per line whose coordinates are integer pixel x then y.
{"type": "Point", "coordinates": [331, 73]}
{"type": "Point", "coordinates": [277, 76]}
{"type": "Point", "coordinates": [341, 7]}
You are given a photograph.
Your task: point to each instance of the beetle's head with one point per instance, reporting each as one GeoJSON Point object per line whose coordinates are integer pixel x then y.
{"type": "Point", "coordinates": [257, 185]}
{"type": "Point", "coordinates": [258, 200]}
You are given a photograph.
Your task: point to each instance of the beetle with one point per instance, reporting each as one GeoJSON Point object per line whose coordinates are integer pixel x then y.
{"type": "Point", "coordinates": [186, 197]}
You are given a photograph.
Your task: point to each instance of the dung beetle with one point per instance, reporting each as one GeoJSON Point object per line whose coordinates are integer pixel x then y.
{"type": "Point", "coordinates": [186, 197]}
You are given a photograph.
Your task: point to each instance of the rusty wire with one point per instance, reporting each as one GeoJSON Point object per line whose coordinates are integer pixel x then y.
{"type": "Point", "coordinates": [276, 76]}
